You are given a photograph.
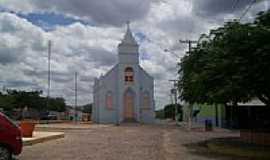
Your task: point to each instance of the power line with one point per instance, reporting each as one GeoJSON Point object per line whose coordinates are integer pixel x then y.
{"type": "Point", "coordinates": [247, 9]}
{"type": "Point", "coordinates": [235, 5]}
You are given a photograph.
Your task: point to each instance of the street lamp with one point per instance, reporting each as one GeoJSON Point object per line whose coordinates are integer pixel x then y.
{"type": "Point", "coordinates": [169, 51]}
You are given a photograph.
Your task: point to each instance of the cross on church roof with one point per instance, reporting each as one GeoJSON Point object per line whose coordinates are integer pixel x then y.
{"type": "Point", "coordinates": [128, 38]}
{"type": "Point", "coordinates": [128, 24]}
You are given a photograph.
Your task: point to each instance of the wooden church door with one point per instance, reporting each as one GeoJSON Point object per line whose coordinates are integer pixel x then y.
{"type": "Point", "coordinates": [129, 105]}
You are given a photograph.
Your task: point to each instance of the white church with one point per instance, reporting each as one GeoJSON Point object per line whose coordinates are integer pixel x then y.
{"type": "Point", "coordinates": [126, 92]}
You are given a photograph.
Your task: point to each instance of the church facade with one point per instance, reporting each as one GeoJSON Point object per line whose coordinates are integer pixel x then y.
{"type": "Point", "coordinates": [126, 92]}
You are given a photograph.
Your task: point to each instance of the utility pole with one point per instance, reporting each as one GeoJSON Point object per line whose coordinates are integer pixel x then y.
{"type": "Point", "coordinates": [49, 72]}
{"type": "Point", "coordinates": [174, 92]}
{"type": "Point", "coordinates": [76, 86]}
{"type": "Point", "coordinates": [174, 89]}
{"type": "Point", "coordinates": [189, 42]}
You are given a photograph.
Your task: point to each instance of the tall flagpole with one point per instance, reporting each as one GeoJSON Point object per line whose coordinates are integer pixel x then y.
{"type": "Point", "coordinates": [76, 89]}
{"type": "Point", "coordinates": [49, 72]}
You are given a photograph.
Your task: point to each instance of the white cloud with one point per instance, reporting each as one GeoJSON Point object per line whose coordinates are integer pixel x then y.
{"type": "Point", "coordinates": [75, 48]}
{"type": "Point", "coordinates": [89, 50]}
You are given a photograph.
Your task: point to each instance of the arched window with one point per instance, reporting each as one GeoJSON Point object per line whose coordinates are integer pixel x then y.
{"type": "Point", "coordinates": [109, 100]}
{"type": "Point", "coordinates": [129, 74]}
{"type": "Point", "coordinates": [146, 100]}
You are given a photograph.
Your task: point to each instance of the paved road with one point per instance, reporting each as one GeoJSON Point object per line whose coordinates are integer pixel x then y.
{"type": "Point", "coordinates": [125, 142]}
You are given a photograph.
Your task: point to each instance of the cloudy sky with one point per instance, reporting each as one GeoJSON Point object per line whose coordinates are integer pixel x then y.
{"type": "Point", "coordinates": [85, 35]}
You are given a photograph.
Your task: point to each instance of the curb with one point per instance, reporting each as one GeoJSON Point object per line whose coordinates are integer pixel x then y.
{"type": "Point", "coordinates": [69, 128]}
{"type": "Point", "coordinates": [59, 129]}
{"type": "Point", "coordinates": [43, 139]}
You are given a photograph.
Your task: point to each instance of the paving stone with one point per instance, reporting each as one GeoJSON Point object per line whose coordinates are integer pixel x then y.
{"type": "Point", "coordinates": [124, 142]}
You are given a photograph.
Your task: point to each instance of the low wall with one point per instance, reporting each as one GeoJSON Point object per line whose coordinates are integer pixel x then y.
{"type": "Point", "coordinates": [261, 138]}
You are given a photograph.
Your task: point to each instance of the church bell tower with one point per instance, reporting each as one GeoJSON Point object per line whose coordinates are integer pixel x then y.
{"type": "Point", "coordinates": [128, 49]}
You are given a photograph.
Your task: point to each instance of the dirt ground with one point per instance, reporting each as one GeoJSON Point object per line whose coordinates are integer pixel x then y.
{"type": "Point", "coordinates": [124, 142]}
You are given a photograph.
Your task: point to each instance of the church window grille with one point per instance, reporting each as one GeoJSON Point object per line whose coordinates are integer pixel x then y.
{"type": "Point", "coordinates": [129, 74]}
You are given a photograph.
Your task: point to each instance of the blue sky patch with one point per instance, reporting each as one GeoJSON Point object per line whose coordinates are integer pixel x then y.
{"type": "Point", "coordinates": [140, 36]}
{"type": "Point", "coordinates": [46, 20]}
{"type": "Point", "coordinates": [144, 55]}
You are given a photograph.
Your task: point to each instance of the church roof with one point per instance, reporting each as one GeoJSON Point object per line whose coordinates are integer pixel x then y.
{"type": "Point", "coordinates": [128, 38]}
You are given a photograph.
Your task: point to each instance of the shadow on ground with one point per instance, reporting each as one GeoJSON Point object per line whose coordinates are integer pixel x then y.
{"type": "Point", "coordinates": [229, 149]}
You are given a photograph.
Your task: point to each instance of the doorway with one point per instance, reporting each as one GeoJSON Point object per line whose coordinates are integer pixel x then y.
{"type": "Point", "coordinates": [129, 100]}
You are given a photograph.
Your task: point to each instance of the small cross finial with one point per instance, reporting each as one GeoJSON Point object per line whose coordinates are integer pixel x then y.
{"type": "Point", "coordinates": [128, 23]}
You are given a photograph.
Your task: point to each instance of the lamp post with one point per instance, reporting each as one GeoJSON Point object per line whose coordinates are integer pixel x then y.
{"type": "Point", "coordinates": [170, 51]}
{"type": "Point", "coordinates": [174, 92]}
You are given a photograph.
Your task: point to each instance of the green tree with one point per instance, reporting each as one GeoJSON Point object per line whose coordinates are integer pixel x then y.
{"type": "Point", "coordinates": [30, 99]}
{"type": "Point", "coordinates": [169, 110]}
{"type": "Point", "coordinates": [57, 104]}
{"type": "Point", "coordinates": [160, 114]}
{"type": "Point", "coordinates": [6, 102]}
{"type": "Point", "coordinates": [87, 108]}
{"type": "Point", "coordinates": [228, 65]}
{"type": "Point", "coordinates": [260, 66]}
